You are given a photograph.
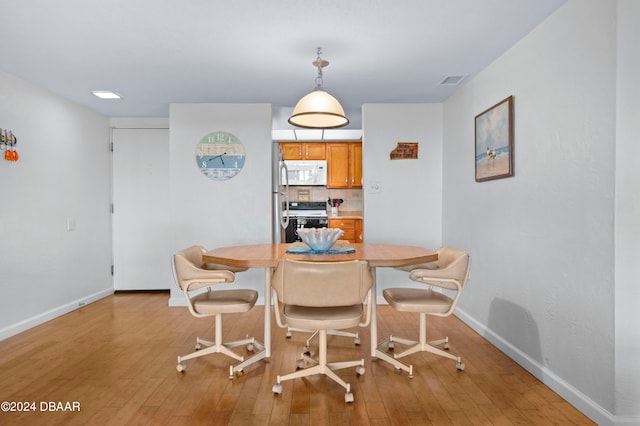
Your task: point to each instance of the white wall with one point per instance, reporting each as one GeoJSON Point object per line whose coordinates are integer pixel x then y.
{"type": "Point", "coordinates": [63, 173]}
{"type": "Point", "coordinates": [627, 248]}
{"type": "Point", "coordinates": [220, 213]}
{"type": "Point", "coordinates": [408, 207]}
{"type": "Point", "coordinates": [542, 242]}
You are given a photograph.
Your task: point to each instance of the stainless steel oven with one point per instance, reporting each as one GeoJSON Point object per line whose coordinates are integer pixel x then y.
{"type": "Point", "coordinates": [305, 214]}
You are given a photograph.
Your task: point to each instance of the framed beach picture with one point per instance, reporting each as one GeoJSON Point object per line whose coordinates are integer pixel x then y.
{"type": "Point", "coordinates": [494, 141]}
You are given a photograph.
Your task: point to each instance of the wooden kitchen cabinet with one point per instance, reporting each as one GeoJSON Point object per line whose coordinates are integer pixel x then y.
{"type": "Point", "coordinates": [303, 150]}
{"type": "Point", "coordinates": [359, 228]}
{"type": "Point", "coordinates": [352, 229]}
{"type": "Point", "coordinates": [344, 164]}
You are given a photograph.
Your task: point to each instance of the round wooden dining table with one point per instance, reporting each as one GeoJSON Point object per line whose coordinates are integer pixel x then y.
{"type": "Point", "coordinates": [267, 256]}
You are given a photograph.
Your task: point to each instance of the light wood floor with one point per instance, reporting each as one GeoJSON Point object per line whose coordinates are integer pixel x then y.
{"type": "Point", "coordinates": [117, 359]}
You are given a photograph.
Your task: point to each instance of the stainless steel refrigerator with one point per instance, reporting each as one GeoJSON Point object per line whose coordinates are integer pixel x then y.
{"type": "Point", "coordinates": [279, 195]}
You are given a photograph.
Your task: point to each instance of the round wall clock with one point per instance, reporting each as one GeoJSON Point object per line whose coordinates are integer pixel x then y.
{"type": "Point", "coordinates": [220, 155]}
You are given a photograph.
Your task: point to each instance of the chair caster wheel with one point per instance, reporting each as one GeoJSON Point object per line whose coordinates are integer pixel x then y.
{"type": "Point", "coordinates": [360, 370]}
{"type": "Point", "coordinates": [307, 350]}
{"type": "Point", "coordinates": [181, 367]}
{"type": "Point", "coordinates": [460, 366]}
{"type": "Point", "coordinates": [250, 347]}
{"type": "Point", "coordinates": [300, 365]}
{"type": "Point", "coordinates": [348, 397]}
{"type": "Point", "coordinates": [356, 341]}
{"type": "Point", "coordinates": [288, 336]}
{"type": "Point", "coordinates": [277, 388]}
{"type": "Point", "coordinates": [446, 346]}
{"type": "Point", "coordinates": [390, 346]}
{"type": "Point", "coordinates": [410, 376]}
{"type": "Point", "coordinates": [198, 346]}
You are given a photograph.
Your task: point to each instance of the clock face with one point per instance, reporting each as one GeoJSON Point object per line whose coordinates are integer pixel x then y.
{"type": "Point", "coordinates": [220, 155]}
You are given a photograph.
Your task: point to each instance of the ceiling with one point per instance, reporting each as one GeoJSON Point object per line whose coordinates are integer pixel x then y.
{"type": "Point", "coordinates": [158, 52]}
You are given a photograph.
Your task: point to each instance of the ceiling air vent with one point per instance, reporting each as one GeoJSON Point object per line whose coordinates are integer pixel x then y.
{"type": "Point", "coordinates": [452, 80]}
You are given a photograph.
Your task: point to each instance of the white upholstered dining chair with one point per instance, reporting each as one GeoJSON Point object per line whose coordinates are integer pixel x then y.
{"type": "Point", "coordinates": [449, 274]}
{"type": "Point", "coordinates": [323, 296]}
{"type": "Point", "coordinates": [196, 280]}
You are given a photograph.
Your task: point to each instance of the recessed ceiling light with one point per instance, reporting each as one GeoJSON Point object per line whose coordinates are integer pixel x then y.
{"type": "Point", "coordinates": [106, 94]}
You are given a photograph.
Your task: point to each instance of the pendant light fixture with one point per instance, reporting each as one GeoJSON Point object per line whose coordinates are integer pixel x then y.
{"type": "Point", "coordinates": [318, 109]}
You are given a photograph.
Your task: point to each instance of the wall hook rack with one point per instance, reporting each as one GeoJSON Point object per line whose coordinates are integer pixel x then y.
{"type": "Point", "coordinates": [8, 143]}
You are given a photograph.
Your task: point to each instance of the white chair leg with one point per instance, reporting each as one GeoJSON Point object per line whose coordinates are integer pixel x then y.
{"type": "Point", "coordinates": [218, 346]}
{"type": "Point", "coordinates": [345, 364]}
{"type": "Point", "coordinates": [308, 359]}
{"type": "Point", "coordinates": [314, 333]}
{"type": "Point", "coordinates": [428, 348]}
{"type": "Point", "coordinates": [416, 346]}
{"type": "Point", "coordinates": [333, 376]}
{"type": "Point", "coordinates": [322, 367]}
{"type": "Point", "coordinates": [316, 369]}
{"type": "Point", "coordinates": [397, 364]}
{"type": "Point", "coordinates": [403, 341]}
{"type": "Point", "coordinates": [202, 342]}
{"type": "Point", "coordinates": [439, 342]}
{"type": "Point", "coordinates": [261, 354]}
{"type": "Point", "coordinates": [211, 350]}
{"type": "Point", "coordinates": [411, 350]}
{"type": "Point", "coordinates": [356, 336]}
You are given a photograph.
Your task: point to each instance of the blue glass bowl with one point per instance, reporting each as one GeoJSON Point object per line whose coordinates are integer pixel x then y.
{"type": "Point", "coordinates": [320, 239]}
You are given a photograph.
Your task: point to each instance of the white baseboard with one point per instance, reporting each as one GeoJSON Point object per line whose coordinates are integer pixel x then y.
{"type": "Point", "coordinates": [177, 301]}
{"type": "Point", "coordinates": [28, 323]}
{"type": "Point", "coordinates": [576, 398]}
{"type": "Point", "coordinates": [630, 421]}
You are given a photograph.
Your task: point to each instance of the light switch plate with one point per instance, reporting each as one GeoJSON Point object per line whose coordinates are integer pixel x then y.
{"type": "Point", "coordinates": [375, 187]}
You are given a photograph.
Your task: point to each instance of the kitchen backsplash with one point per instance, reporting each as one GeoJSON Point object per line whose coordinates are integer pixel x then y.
{"type": "Point", "coordinates": [352, 198]}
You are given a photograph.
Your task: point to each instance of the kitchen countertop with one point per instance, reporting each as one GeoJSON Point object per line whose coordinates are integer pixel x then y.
{"type": "Point", "coordinates": [356, 214]}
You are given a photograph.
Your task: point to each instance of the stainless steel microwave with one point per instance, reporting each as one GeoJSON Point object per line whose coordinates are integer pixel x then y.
{"type": "Point", "coordinates": [305, 172]}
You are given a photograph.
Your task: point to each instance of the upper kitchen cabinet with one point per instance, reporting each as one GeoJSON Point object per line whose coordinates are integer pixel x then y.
{"type": "Point", "coordinates": [344, 164]}
{"type": "Point", "coordinates": [303, 150]}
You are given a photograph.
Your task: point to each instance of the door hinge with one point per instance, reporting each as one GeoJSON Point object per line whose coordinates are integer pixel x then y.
{"type": "Point", "coordinates": [111, 270]}
{"type": "Point", "coordinates": [111, 146]}
{"type": "Point", "coordinates": [112, 209]}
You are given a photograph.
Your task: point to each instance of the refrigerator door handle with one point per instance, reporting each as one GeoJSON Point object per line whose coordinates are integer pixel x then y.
{"type": "Point", "coordinates": [284, 219]}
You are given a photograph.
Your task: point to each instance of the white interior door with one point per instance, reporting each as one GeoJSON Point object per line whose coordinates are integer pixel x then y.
{"type": "Point", "coordinates": [141, 246]}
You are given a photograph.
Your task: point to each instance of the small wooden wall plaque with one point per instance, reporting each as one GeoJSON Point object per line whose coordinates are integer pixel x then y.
{"type": "Point", "coordinates": [405, 150]}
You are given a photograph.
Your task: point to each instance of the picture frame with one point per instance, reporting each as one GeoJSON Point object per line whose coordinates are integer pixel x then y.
{"type": "Point", "coordinates": [303, 195]}
{"type": "Point", "coordinates": [494, 141]}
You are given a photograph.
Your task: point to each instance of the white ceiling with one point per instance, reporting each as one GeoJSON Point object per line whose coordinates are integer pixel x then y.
{"type": "Point", "coordinates": [158, 52]}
